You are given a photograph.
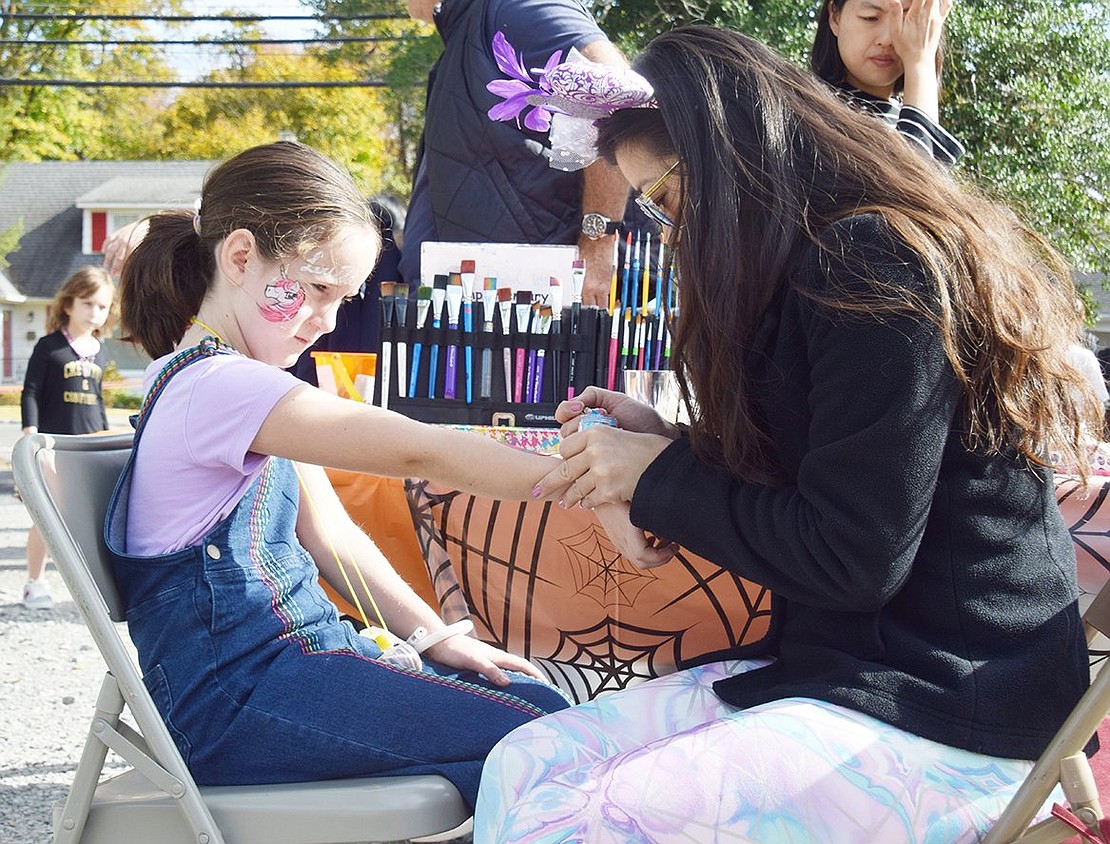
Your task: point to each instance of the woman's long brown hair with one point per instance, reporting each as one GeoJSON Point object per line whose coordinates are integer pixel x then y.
{"type": "Point", "coordinates": [769, 159]}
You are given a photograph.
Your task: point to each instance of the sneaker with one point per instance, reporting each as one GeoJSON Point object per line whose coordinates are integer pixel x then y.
{"type": "Point", "coordinates": [36, 595]}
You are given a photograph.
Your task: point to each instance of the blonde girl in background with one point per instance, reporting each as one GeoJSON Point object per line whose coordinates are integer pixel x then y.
{"type": "Point", "coordinates": [62, 390]}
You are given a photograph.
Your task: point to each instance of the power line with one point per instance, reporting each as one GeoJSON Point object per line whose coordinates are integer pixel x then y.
{"type": "Point", "coordinates": [193, 42]}
{"type": "Point", "coordinates": [35, 16]}
{"type": "Point", "coordinates": [87, 83]}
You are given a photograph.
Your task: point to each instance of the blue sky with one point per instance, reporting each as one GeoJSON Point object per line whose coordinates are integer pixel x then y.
{"type": "Point", "coordinates": [193, 62]}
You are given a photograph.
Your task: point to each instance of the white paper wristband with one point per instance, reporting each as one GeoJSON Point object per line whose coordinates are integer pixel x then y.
{"type": "Point", "coordinates": [421, 639]}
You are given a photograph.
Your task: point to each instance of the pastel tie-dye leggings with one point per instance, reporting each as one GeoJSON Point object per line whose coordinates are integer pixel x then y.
{"type": "Point", "coordinates": [667, 761]}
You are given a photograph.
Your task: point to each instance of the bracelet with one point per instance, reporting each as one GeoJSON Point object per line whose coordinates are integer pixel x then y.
{"type": "Point", "coordinates": [421, 639]}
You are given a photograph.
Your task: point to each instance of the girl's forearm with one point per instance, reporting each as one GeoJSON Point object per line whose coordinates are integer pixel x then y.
{"type": "Point", "coordinates": [361, 438]}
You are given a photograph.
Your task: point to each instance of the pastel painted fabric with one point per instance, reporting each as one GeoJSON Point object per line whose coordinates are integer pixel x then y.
{"type": "Point", "coordinates": [668, 762]}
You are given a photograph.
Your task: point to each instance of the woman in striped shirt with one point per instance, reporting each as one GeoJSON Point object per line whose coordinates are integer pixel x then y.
{"type": "Point", "coordinates": [885, 57]}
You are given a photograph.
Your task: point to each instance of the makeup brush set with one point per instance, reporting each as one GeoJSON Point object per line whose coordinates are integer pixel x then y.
{"type": "Point", "coordinates": [475, 348]}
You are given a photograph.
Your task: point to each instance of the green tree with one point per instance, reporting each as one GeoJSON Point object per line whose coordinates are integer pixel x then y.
{"type": "Point", "coordinates": [401, 54]}
{"type": "Point", "coordinates": [61, 122]}
{"type": "Point", "coordinates": [343, 123]}
{"type": "Point", "coordinates": [1026, 88]}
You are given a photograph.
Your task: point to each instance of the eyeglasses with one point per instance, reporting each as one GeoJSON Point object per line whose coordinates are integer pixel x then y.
{"type": "Point", "coordinates": [647, 204]}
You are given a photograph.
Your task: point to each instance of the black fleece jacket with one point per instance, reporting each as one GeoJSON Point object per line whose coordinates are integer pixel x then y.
{"type": "Point", "coordinates": [917, 581]}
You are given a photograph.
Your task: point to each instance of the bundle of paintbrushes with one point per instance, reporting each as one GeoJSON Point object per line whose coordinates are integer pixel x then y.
{"type": "Point", "coordinates": [474, 349]}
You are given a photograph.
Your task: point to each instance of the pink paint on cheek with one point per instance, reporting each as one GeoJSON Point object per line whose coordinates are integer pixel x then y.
{"type": "Point", "coordinates": [283, 300]}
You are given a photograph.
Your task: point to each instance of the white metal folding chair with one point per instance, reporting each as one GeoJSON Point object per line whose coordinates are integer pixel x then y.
{"type": "Point", "coordinates": [66, 483]}
{"type": "Point", "coordinates": [1063, 762]}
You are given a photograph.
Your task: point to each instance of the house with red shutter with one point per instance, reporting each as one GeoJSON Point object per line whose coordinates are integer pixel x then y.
{"type": "Point", "coordinates": [63, 211]}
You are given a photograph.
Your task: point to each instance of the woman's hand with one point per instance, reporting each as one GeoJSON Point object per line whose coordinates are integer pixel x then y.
{"type": "Point", "coordinates": [470, 654]}
{"type": "Point", "coordinates": [916, 39]}
{"type": "Point", "coordinates": [643, 550]}
{"type": "Point", "coordinates": [118, 245]}
{"type": "Point", "coordinates": [630, 414]}
{"type": "Point", "coordinates": [601, 466]}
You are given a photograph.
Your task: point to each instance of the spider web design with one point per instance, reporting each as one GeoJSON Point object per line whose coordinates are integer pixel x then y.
{"type": "Point", "coordinates": [422, 505]}
{"type": "Point", "coordinates": [608, 657]}
{"type": "Point", "coordinates": [603, 650]}
{"type": "Point", "coordinates": [600, 571]}
{"type": "Point", "coordinates": [1089, 528]}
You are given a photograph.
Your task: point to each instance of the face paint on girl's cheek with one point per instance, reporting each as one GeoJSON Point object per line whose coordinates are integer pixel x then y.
{"type": "Point", "coordinates": [283, 299]}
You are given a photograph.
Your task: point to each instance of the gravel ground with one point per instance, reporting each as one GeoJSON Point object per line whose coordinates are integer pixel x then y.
{"type": "Point", "coordinates": [50, 673]}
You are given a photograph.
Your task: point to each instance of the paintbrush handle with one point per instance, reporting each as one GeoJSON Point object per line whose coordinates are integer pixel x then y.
{"type": "Point", "coordinates": [611, 378]}
{"type": "Point", "coordinates": [571, 366]}
{"type": "Point", "coordinates": [433, 364]}
{"type": "Point", "coordinates": [451, 374]}
{"type": "Point", "coordinates": [415, 369]}
{"type": "Point", "coordinates": [530, 378]}
{"type": "Point", "coordinates": [402, 349]}
{"type": "Point", "coordinates": [537, 390]}
{"type": "Point", "coordinates": [508, 374]}
{"type": "Point", "coordinates": [468, 352]}
{"type": "Point", "coordinates": [468, 377]}
{"type": "Point", "coordinates": [518, 380]}
{"type": "Point", "coordinates": [387, 351]}
{"type": "Point", "coordinates": [486, 389]}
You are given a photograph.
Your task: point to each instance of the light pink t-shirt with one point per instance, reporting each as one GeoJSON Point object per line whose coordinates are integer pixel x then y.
{"type": "Point", "coordinates": [193, 463]}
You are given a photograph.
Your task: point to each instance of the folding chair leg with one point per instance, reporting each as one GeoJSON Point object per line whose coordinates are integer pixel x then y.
{"type": "Point", "coordinates": [109, 705]}
{"type": "Point", "coordinates": [1080, 789]}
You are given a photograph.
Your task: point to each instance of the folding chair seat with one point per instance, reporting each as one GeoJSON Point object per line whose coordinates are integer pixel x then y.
{"type": "Point", "coordinates": [66, 483]}
{"type": "Point", "coordinates": [1063, 762]}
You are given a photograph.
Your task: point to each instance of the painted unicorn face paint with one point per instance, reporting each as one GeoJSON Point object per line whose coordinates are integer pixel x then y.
{"type": "Point", "coordinates": [283, 299]}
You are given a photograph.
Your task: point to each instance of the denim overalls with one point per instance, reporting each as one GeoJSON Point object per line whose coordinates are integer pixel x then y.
{"type": "Point", "coordinates": [256, 677]}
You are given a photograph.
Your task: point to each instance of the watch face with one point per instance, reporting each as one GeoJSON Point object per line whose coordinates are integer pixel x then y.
{"type": "Point", "coordinates": [594, 225]}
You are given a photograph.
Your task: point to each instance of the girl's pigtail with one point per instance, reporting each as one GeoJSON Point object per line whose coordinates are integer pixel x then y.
{"type": "Point", "coordinates": [164, 281]}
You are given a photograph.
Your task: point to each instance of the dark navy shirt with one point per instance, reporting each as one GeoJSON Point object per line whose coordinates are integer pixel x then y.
{"type": "Point", "coordinates": [535, 29]}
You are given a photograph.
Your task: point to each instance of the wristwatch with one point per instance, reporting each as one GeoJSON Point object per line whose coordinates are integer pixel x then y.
{"type": "Point", "coordinates": [596, 225]}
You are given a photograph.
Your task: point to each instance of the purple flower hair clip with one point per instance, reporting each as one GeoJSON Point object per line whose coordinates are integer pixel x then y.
{"type": "Point", "coordinates": [564, 98]}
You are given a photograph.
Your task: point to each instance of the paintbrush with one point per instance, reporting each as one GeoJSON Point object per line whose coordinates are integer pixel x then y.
{"type": "Point", "coordinates": [542, 321]}
{"type": "Point", "coordinates": [401, 306]}
{"type": "Point", "coordinates": [423, 304]}
{"type": "Point", "coordinates": [641, 340]}
{"type": "Point", "coordinates": [577, 276]}
{"type": "Point", "coordinates": [533, 350]}
{"type": "Point", "coordinates": [635, 289]}
{"type": "Point", "coordinates": [454, 305]}
{"type": "Point", "coordinates": [489, 305]}
{"type": "Point", "coordinates": [466, 270]}
{"type": "Point", "coordinates": [625, 270]}
{"type": "Point", "coordinates": [387, 300]}
{"type": "Point", "coordinates": [523, 310]}
{"type": "Point", "coordinates": [627, 340]}
{"type": "Point", "coordinates": [439, 298]}
{"type": "Point", "coordinates": [613, 282]}
{"type": "Point", "coordinates": [660, 271]}
{"type": "Point", "coordinates": [555, 300]}
{"type": "Point", "coordinates": [505, 306]}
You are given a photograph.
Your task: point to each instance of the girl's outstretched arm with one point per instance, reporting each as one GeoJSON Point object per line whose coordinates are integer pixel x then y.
{"type": "Point", "coordinates": [310, 425]}
{"type": "Point", "coordinates": [352, 564]}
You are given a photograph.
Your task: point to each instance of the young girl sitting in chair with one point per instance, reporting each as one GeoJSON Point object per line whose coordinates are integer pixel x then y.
{"type": "Point", "coordinates": [224, 519]}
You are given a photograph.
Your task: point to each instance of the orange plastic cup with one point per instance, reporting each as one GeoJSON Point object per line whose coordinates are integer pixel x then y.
{"type": "Point", "coordinates": [347, 374]}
